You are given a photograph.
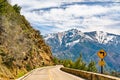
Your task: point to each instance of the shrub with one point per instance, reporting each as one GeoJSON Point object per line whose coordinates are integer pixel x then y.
{"type": "Point", "coordinates": [17, 8]}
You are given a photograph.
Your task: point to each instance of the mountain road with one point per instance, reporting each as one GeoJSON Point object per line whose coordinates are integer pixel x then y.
{"type": "Point", "coordinates": [50, 73]}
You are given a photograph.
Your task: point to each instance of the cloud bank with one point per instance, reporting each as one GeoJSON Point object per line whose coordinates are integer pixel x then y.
{"type": "Point", "coordinates": [51, 16]}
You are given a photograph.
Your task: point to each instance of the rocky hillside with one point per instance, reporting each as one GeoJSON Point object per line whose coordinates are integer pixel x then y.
{"type": "Point", "coordinates": [21, 47]}
{"type": "Point", "coordinates": [69, 44]}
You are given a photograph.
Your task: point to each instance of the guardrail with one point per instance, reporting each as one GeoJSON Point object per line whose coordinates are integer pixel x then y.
{"type": "Point", "coordinates": [89, 75]}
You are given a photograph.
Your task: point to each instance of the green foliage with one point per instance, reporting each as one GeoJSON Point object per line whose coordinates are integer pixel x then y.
{"type": "Point", "coordinates": [2, 53]}
{"type": "Point", "coordinates": [55, 60]}
{"type": "Point", "coordinates": [77, 64]}
{"type": "Point", "coordinates": [5, 7]}
{"type": "Point", "coordinates": [20, 74]}
{"type": "Point", "coordinates": [80, 64]}
{"type": "Point", "coordinates": [28, 67]}
{"type": "Point", "coordinates": [92, 67]}
{"type": "Point", "coordinates": [17, 8]}
{"type": "Point", "coordinates": [68, 63]}
{"type": "Point", "coordinates": [8, 61]}
{"type": "Point", "coordinates": [2, 6]}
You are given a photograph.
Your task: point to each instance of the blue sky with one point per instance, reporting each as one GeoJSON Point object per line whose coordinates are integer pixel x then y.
{"type": "Point", "coordinates": [51, 16]}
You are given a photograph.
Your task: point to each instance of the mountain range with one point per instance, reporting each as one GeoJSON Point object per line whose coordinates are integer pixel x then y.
{"type": "Point", "coordinates": [70, 44]}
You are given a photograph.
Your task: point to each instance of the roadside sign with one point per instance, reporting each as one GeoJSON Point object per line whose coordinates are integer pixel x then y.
{"type": "Point", "coordinates": [101, 63]}
{"type": "Point", "coordinates": [101, 54]}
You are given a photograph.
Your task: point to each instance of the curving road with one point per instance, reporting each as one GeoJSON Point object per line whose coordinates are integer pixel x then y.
{"type": "Point", "coordinates": [50, 73]}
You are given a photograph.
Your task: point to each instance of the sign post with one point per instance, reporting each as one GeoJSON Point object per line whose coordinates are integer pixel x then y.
{"type": "Point", "coordinates": [102, 54]}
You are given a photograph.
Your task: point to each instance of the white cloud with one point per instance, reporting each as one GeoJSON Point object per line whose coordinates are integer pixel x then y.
{"type": "Point", "coordinates": [84, 17]}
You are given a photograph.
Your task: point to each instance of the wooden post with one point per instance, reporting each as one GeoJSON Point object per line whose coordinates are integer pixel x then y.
{"type": "Point", "coordinates": [101, 67]}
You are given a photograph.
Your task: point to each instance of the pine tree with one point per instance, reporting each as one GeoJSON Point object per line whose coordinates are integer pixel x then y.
{"type": "Point", "coordinates": [80, 64]}
{"type": "Point", "coordinates": [71, 63]}
{"type": "Point", "coordinates": [55, 60]}
{"type": "Point", "coordinates": [17, 8]}
{"type": "Point", "coordinates": [92, 67]}
{"type": "Point", "coordinates": [67, 63]}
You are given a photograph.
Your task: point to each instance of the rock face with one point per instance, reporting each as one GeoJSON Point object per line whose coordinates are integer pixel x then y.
{"type": "Point", "coordinates": [22, 48]}
{"type": "Point", "coordinates": [71, 43]}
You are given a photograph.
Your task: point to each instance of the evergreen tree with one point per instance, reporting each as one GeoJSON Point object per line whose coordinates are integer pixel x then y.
{"type": "Point", "coordinates": [92, 67]}
{"type": "Point", "coordinates": [56, 60]}
{"type": "Point", "coordinates": [17, 8]}
{"type": "Point", "coordinates": [71, 63]}
{"type": "Point", "coordinates": [67, 63]}
{"type": "Point", "coordinates": [77, 63]}
{"type": "Point", "coordinates": [80, 64]}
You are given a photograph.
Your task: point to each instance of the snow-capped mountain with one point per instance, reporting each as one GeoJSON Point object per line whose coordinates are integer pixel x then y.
{"type": "Point", "coordinates": [71, 43]}
{"type": "Point", "coordinates": [103, 37]}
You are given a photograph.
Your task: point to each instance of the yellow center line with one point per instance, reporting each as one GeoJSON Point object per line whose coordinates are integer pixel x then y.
{"type": "Point", "coordinates": [50, 76]}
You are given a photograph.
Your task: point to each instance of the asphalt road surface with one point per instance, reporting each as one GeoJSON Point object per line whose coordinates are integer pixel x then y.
{"type": "Point", "coordinates": [50, 73]}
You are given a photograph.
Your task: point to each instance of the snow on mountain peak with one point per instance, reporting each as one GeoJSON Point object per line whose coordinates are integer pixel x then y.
{"type": "Point", "coordinates": [48, 36]}
{"type": "Point", "coordinates": [60, 36]}
{"type": "Point", "coordinates": [103, 37]}
{"type": "Point", "coordinates": [72, 43]}
{"type": "Point", "coordinates": [74, 34]}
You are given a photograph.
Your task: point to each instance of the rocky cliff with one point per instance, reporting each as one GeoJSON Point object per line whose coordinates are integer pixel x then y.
{"type": "Point", "coordinates": [21, 47]}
